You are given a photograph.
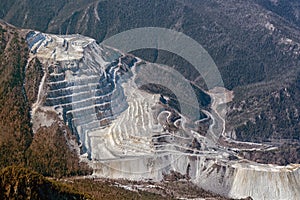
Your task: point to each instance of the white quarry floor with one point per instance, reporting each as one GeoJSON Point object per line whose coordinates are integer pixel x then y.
{"type": "Point", "coordinates": [118, 139]}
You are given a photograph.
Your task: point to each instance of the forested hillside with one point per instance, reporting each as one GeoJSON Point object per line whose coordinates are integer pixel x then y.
{"type": "Point", "coordinates": [254, 43]}
{"type": "Point", "coordinates": [46, 151]}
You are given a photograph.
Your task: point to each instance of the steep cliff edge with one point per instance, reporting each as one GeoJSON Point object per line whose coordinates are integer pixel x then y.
{"type": "Point", "coordinates": [20, 80]}
{"type": "Point", "coordinates": [126, 132]}
{"type": "Point", "coordinates": [82, 99]}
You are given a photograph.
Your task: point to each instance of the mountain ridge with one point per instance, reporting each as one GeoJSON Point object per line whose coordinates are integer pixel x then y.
{"type": "Point", "coordinates": [255, 44]}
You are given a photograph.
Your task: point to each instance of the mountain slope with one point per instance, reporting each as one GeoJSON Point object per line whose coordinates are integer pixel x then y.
{"type": "Point", "coordinates": [125, 131]}
{"type": "Point", "coordinates": [50, 150]}
{"type": "Point", "coordinates": [289, 10]}
{"type": "Point", "coordinates": [20, 81]}
{"type": "Point", "coordinates": [256, 48]}
{"type": "Point", "coordinates": [255, 45]}
{"type": "Point", "coordinates": [21, 183]}
{"type": "Point", "coordinates": [14, 110]}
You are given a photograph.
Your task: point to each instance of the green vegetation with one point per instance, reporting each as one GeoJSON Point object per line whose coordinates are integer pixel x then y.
{"type": "Point", "coordinates": [49, 155]}
{"type": "Point", "coordinates": [15, 134]}
{"type": "Point", "coordinates": [11, 10]}
{"type": "Point", "coordinates": [286, 9]}
{"type": "Point", "coordinates": [286, 154]}
{"type": "Point", "coordinates": [274, 115]}
{"type": "Point", "coordinates": [47, 152]}
{"type": "Point", "coordinates": [17, 183]}
{"type": "Point", "coordinates": [106, 190]}
{"type": "Point", "coordinates": [251, 59]}
{"type": "Point", "coordinates": [34, 74]}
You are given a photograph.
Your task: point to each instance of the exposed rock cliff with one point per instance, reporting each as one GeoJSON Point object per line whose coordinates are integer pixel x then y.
{"type": "Point", "coordinates": [126, 132]}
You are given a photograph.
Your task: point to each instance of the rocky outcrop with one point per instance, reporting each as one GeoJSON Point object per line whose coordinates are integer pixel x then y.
{"type": "Point", "coordinates": [126, 132]}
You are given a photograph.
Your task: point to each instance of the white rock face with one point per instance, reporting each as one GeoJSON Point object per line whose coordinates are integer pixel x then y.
{"type": "Point", "coordinates": [240, 180]}
{"type": "Point", "coordinates": [265, 182]}
{"type": "Point", "coordinates": [125, 132]}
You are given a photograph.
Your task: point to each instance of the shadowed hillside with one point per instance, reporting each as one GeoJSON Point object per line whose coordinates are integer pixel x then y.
{"type": "Point", "coordinates": [20, 183]}
{"type": "Point", "coordinates": [255, 45]}
{"type": "Point", "coordinates": [47, 151]}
